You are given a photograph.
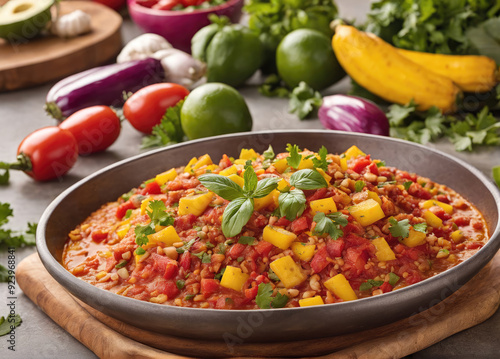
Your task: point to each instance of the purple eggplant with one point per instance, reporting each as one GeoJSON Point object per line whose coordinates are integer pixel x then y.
{"type": "Point", "coordinates": [103, 85]}
{"type": "Point", "coordinates": [353, 114]}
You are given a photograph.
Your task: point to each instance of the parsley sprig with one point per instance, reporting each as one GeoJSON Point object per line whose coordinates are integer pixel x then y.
{"type": "Point", "coordinates": [10, 238]}
{"type": "Point", "coordinates": [399, 228]}
{"type": "Point", "coordinates": [169, 131]}
{"type": "Point", "coordinates": [157, 212]}
{"type": "Point", "coordinates": [330, 224]}
{"type": "Point", "coordinates": [240, 209]}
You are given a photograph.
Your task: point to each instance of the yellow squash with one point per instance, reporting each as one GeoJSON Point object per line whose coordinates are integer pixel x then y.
{"type": "Point", "coordinates": [469, 72]}
{"type": "Point", "coordinates": [381, 69]}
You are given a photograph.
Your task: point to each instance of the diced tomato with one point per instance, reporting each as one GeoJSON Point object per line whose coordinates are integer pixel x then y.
{"type": "Point", "coordinates": [98, 235]}
{"type": "Point", "coordinates": [92, 262]}
{"type": "Point", "coordinates": [386, 287]}
{"type": "Point", "coordinates": [184, 222]}
{"type": "Point", "coordinates": [300, 224]}
{"type": "Point", "coordinates": [251, 293]}
{"type": "Point", "coordinates": [236, 250]}
{"type": "Point", "coordinates": [185, 261]}
{"type": "Point", "coordinates": [399, 248]}
{"type": "Point", "coordinates": [282, 222]}
{"type": "Point", "coordinates": [461, 221]}
{"type": "Point", "coordinates": [353, 240]}
{"type": "Point", "coordinates": [372, 167]}
{"type": "Point", "coordinates": [355, 228]}
{"type": "Point", "coordinates": [443, 198]}
{"type": "Point", "coordinates": [151, 188]}
{"type": "Point", "coordinates": [263, 248]}
{"type": "Point", "coordinates": [413, 278]}
{"type": "Point", "coordinates": [319, 261]}
{"type": "Point", "coordinates": [165, 4]}
{"type": "Point", "coordinates": [123, 208]}
{"type": "Point", "coordinates": [146, 3]}
{"type": "Point", "coordinates": [412, 253]}
{"type": "Point", "coordinates": [319, 194]}
{"type": "Point", "coordinates": [171, 270]}
{"type": "Point", "coordinates": [416, 190]}
{"type": "Point", "coordinates": [473, 245]}
{"type": "Point", "coordinates": [359, 164]}
{"type": "Point", "coordinates": [257, 221]}
{"type": "Point", "coordinates": [168, 287]}
{"type": "Point", "coordinates": [225, 162]}
{"type": "Point", "coordinates": [209, 286]}
{"type": "Point", "coordinates": [335, 247]}
{"type": "Point", "coordinates": [355, 259]}
{"type": "Point", "coordinates": [404, 175]}
{"type": "Point", "coordinates": [438, 211]}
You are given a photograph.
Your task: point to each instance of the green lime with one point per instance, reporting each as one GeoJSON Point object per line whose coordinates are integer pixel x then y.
{"type": "Point", "coordinates": [307, 55]}
{"type": "Point", "coordinates": [214, 109]}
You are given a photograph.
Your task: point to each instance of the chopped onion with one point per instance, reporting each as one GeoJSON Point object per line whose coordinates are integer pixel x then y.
{"type": "Point", "coordinates": [353, 114]}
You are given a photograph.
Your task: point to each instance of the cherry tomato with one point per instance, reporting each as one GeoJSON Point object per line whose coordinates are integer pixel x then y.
{"type": "Point", "coordinates": [114, 4]}
{"type": "Point", "coordinates": [165, 4]}
{"type": "Point", "coordinates": [52, 152]}
{"type": "Point", "coordinates": [145, 108]}
{"type": "Point", "coordinates": [147, 3]}
{"type": "Point", "coordinates": [95, 128]}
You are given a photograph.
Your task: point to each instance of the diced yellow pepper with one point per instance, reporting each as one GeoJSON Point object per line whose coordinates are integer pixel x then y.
{"type": "Point", "coordinates": [432, 202]}
{"type": "Point", "coordinates": [307, 302]}
{"type": "Point", "coordinates": [195, 204]}
{"type": "Point", "coordinates": [145, 204]}
{"type": "Point", "coordinates": [234, 278]}
{"type": "Point", "coordinates": [304, 251]}
{"type": "Point", "coordinates": [324, 174]}
{"type": "Point", "coordinates": [375, 197]}
{"type": "Point", "coordinates": [325, 205]}
{"type": "Point", "coordinates": [189, 166]}
{"type": "Point", "coordinates": [281, 165]}
{"type": "Point", "coordinates": [457, 236]}
{"type": "Point", "coordinates": [278, 236]}
{"type": "Point", "coordinates": [204, 160]}
{"type": "Point", "coordinates": [433, 220]}
{"type": "Point", "coordinates": [415, 238]}
{"type": "Point", "coordinates": [237, 179]}
{"type": "Point", "coordinates": [343, 163]}
{"type": "Point", "coordinates": [246, 154]}
{"type": "Point", "coordinates": [282, 184]}
{"type": "Point", "coordinates": [353, 152]}
{"type": "Point", "coordinates": [287, 271]}
{"type": "Point", "coordinates": [384, 253]}
{"type": "Point", "coordinates": [339, 286]}
{"type": "Point", "coordinates": [229, 171]}
{"type": "Point", "coordinates": [123, 230]}
{"type": "Point", "coordinates": [166, 176]}
{"type": "Point", "coordinates": [100, 275]}
{"type": "Point", "coordinates": [264, 202]}
{"type": "Point", "coordinates": [167, 235]}
{"type": "Point", "coordinates": [367, 212]}
{"type": "Point", "coordinates": [239, 161]}
{"type": "Point", "coordinates": [305, 163]}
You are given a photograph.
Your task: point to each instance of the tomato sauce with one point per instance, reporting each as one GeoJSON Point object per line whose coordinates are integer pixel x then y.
{"type": "Point", "coordinates": [355, 228]}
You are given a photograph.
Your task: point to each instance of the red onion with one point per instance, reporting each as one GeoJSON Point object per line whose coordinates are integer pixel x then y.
{"type": "Point", "coordinates": [353, 114]}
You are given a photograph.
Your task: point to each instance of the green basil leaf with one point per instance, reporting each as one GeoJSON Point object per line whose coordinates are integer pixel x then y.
{"type": "Point", "coordinates": [266, 186]}
{"type": "Point", "coordinates": [222, 186]}
{"type": "Point", "coordinates": [292, 204]}
{"type": "Point", "coordinates": [307, 179]}
{"type": "Point", "coordinates": [251, 180]}
{"type": "Point", "coordinates": [236, 215]}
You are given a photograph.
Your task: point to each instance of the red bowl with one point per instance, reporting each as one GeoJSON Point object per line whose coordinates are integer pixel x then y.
{"type": "Point", "coordinates": [178, 27]}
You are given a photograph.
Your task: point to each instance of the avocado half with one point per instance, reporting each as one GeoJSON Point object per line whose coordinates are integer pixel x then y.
{"type": "Point", "coordinates": [24, 19]}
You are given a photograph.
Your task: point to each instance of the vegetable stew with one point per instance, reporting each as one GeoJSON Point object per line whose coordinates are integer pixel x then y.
{"type": "Point", "coordinates": [298, 228]}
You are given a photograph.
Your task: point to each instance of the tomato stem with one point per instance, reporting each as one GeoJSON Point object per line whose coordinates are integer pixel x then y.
{"type": "Point", "coordinates": [23, 163]}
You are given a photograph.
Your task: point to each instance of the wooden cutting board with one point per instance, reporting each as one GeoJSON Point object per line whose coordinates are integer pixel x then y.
{"type": "Point", "coordinates": [50, 57]}
{"type": "Point", "coordinates": [108, 338]}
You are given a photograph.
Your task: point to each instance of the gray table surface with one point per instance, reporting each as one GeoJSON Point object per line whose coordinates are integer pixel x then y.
{"type": "Point", "coordinates": [21, 113]}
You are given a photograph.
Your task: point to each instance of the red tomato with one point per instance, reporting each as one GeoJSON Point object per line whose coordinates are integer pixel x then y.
{"type": "Point", "coordinates": [114, 4]}
{"type": "Point", "coordinates": [145, 108]}
{"type": "Point", "coordinates": [165, 4]}
{"type": "Point", "coordinates": [147, 3]}
{"type": "Point", "coordinates": [95, 128]}
{"type": "Point", "coordinates": [52, 152]}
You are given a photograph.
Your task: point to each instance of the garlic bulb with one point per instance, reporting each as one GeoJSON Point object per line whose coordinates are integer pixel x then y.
{"type": "Point", "coordinates": [142, 47]}
{"type": "Point", "coordinates": [71, 25]}
{"type": "Point", "coordinates": [180, 67]}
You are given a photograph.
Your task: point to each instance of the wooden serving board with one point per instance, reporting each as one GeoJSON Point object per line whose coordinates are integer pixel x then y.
{"type": "Point", "coordinates": [109, 338]}
{"type": "Point", "coordinates": [50, 57]}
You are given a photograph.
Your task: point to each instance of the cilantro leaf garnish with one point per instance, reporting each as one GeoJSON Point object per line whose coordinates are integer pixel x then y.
{"type": "Point", "coordinates": [156, 210]}
{"type": "Point", "coordinates": [329, 224]}
{"type": "Point", "coordinates": [359, 185]}
{"type": "Point", "coordinates": [399, 228]}
{"type": "Point", "coordinates": [321, 162]}
{"type": "Point", "coordinates": [269, 153]}
{"type": "Point", "coordinates": [220, 274]}
{"type": "Point", "coordinates": [407, 185]}
{"type": "Point", "coordinates": [265, 300]}
{"type": "Point", "coordinates": [393, 278]}
{"type": "Point", "coordinates": [304, 100]}
{"type": "Point", "coordinates": [420, 227]}
{"type": "Point", "coordinates": [246, 240]}
{"type": "Point", "coordinates": [186, 246]}
{"type": "Point", "coordinates": [294, 159]}
{"type": "Point", "coordinates": [10, 238]}
{"type": "Point", "coordinates": [370, 283]}
{"type": "Point", "coordinates": [180, 283]}
{"type": "Point", "coordinates": [169, 131]}
{"type": "Point", "coordinates": [4, 274]}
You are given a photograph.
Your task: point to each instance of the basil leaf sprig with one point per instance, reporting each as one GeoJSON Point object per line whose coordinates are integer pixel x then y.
{"type": "Point", "coordinates": [292, 202]}
{"type": "Point", "coordinates": [240, 209]}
